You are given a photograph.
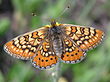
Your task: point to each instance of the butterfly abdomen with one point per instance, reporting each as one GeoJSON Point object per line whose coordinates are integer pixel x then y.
{"type": "Point", "coordinates": [55, 33]}
{"type": "Point", "coordinates": [58, 47]}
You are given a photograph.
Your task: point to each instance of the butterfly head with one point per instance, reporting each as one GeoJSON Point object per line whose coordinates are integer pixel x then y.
{"type": "Point", "coordinates": [55, 28]}
{"type": "Point", "coordinates": [54, 23]}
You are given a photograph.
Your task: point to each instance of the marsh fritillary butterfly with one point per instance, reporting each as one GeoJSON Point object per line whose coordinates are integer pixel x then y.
{"type": "Point", "coordinates": [51, 43]}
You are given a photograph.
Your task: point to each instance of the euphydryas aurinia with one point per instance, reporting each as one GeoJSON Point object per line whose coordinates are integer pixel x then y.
{"type": "Point", "coordinates": [51, 43]}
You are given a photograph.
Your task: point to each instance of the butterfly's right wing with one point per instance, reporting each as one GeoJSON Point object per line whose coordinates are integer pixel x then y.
{"type": "Point", "coordinates": [83, 37]}
{"type": "Point", "coordinates": [78, 40]}
{"type": "Point", "coordinates": [25, 46]}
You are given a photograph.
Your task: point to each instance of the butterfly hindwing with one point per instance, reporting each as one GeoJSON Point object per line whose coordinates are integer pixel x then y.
{"type": "Point", "coordinates": [45, 56]}
{"type": "Point", "coordinates": [71, 53]}
{"type": "Point", "coordinates": [25, 46]}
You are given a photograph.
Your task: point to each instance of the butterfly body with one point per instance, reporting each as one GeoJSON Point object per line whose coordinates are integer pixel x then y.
{"type": "Point", "coordinates": [55, 34]}
{"type": "Point", "coordinates": [45, 46]}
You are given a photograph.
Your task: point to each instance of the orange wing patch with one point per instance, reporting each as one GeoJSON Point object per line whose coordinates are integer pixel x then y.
{"type": "Point", "coordinates": [18, 52]}
{"type": "Point", "coordinates": [25, 46]}
{"type": "Point", "coordinates": [85, 37]}
{"type": "Point", "coordinates": [72, 54]}
{"type": "Point", "coordinates": [45, 57]}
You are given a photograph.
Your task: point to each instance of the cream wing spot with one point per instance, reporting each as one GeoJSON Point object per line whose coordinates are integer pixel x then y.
{"type": "Point", "coordinates": [46, 54]}
{"type": "Point", "coordinates": [86, 33]}
{"type": "Point", "coordinates": [36, 42]}
{"type": "Point", "coordinates": [47, 46]}
{"type": "Point", "coordinates": [31, 39]}
{"type": "Point", "coordinates": [92, 30]}
{"type": "Point", "coordinates": [78, 30]}
{"type": "Point", "coordinates": [14, 49]}
{"type": "Point", "coordinates": [50, 52]}
{"type": "Point", "coordinates": [16, 42]}
{"type": "Point", "coordinates": [90, 41]}
{"type": "Point", "coordinates": [24, 46]}
{"type": "Point", "coordinates": [95, 38]}
{"type": "Point", "coordinates": [74, 37]}
{"type": "Point", "coordinates": [41, 48]}
{"type": "Point", "coordinates": [33, 48]}
{"type": "Point", "coordinates": [82, 38]}
{"type": "Point", "coordinates": [67, 42]}
{"type": "Point", "coordinates": [86, 37]}
{"type": "Point", "coordinates": [67, 49]}
{"type": "Point", "coordinates": [27, 50]}
{"type": "Point", "coordinates": [21, 51]}
{"type": "Point", "coordinates": [70, 49]}
{"type": "Point", "coordinates": [78, 42]}
{"type": "Point", "coordinates": [29, 46]}
{"type": "Point", "coordinates": [86, 42]}
{"type": "Point", "coordinates": [17, 45]}
{"type": "Point", "coordinates": [53, 53]}
{"type": "Point", "coordinates": [21, 38]}
{"type": "Point", "coordinates": [17, 50]}
{"type": "Point", "coordinates": [43, 53]}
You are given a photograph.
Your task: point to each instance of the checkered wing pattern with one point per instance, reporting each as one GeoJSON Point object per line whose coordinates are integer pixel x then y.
{"type": "Point", "coordinates": [85, 38]}
{"type": "Point", "coordinates": [25, 46]}
{"type": "Point", "coordinates": [72, 53]}
{"type": "Point", "coordinates": [45, 56]}
{"type": "Point", "coordinates": [79, 39]}
{"type": "Point", "coordinates": [38, 45]}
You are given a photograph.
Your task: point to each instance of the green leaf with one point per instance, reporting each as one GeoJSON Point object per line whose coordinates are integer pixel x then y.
{"type": "Point", "coordinates": [1, 77]}
{"type": "Point", "coordinates": [4, 25]}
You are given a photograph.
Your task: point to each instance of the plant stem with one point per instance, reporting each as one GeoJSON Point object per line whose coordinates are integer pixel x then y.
{"type": "Point", "coordinates": [55, 72]}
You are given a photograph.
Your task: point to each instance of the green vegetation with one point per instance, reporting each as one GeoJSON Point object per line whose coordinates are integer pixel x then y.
{"type": "Point", "coordinates": [94, 68]}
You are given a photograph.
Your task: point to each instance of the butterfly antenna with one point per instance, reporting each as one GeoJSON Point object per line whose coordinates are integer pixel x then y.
{"type": "Point", "coordinates": [61, 13]}
{"type": "Point", "coordinates": [68, 6]}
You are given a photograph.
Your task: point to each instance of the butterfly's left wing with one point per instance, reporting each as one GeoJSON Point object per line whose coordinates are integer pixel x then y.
{"type": "Point", "coordinates": [25, 45]}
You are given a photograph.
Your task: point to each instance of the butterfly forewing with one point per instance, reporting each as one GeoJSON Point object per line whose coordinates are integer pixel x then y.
{"type": "Point", "coordinates": [25, 46]}
{"type": "Point", "coordinates": [84, 37]}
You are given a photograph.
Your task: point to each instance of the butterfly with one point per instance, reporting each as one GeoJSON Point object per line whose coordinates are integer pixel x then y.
{"type": "Point", "coordinates": [48, 45]}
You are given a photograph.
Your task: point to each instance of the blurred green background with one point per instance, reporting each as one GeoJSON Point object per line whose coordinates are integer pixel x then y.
{"type": "Point", "coordinates": [16, 18]}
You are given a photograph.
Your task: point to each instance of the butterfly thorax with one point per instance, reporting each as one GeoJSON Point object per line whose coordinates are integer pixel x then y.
{"type": "Point", "coordinates": [56, 33]}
